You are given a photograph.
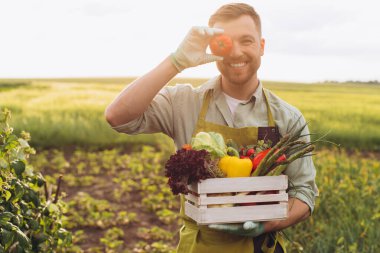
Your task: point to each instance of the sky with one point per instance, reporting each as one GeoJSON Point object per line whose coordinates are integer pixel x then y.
{"type": "Point", "coordinates": [306, 41]}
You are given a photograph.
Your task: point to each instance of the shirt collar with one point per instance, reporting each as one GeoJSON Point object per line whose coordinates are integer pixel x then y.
{"type": "Point", "coordinates": [214, 84]}
{"type": "Point", "coordinates": [258, 94]}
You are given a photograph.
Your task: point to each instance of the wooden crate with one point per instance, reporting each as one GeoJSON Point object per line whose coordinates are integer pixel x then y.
{"type": "Point", "coordinates": [269, 200]}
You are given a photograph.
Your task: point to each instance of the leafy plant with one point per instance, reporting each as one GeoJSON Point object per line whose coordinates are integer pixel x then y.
{"type": "Point", "coordinates": [98, 213]}
{"type": "Point", "coordinates": [112, 240]}
{"type": "Point", "coordinates": [154, 233]}
{"type": "Point", "coordinates": [155, 247]}
{"type": "Point", "coordinates": [29, 221]}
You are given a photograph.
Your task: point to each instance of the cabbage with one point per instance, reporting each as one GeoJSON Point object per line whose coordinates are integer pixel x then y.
{"type": "Point", "coordinates": [211, 142]}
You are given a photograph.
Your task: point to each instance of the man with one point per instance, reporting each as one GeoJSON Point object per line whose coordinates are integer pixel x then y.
{"type": "Point", "coordinates": [233, 104]}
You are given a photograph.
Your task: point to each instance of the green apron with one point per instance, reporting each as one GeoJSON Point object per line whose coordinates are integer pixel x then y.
{"type": "Point", "coordinates": [201, 239]}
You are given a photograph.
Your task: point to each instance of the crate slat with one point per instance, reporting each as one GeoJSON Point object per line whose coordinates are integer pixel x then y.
{"type": "Point", "coordinates": [240, 184]}
{"type": "Point", "coordinates": [192, 211]}
{"type": "Point", "coordinates": [206, 195]}
{"type": "Point", "coordinates": [237, 214]}
{"type": "Point", "coordinates": [240, 199]}
{"type": "Point", "coordinates": [192, 198]}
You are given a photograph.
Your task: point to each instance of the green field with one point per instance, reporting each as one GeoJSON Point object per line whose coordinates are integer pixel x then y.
{"type": "Point", "coordinates": [70, 112]}
{"type": "Point", "coordinates": [114, 186]}
{"type": "Point", "coordinates": [118, 201]}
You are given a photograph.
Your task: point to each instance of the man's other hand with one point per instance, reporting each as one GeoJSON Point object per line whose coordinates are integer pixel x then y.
{"type": "Point", "coordinates": [248, 228]}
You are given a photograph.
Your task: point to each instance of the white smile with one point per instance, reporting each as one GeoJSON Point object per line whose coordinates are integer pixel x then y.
{"type": "Point", "coordinates": [238, 65]}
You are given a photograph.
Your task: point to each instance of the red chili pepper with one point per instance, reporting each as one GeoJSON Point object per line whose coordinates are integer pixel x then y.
{"type": "Point", "coordinates": [257, 159]}
{"type": "Point", "coordinates": [281, 158]}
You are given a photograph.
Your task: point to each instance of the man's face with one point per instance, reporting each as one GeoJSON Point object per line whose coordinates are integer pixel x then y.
{"type": "Point", "coordinates": [241, 65]}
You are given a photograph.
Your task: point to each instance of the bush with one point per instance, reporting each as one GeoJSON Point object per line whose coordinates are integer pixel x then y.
{"type": "Point", "coordinates": [29, 220]}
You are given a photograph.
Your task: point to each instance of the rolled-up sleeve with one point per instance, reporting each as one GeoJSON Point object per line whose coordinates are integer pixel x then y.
{"type": "Point", "coordinates": [157, 118]}
{"type": "Point", "coordinates": [302, 172]}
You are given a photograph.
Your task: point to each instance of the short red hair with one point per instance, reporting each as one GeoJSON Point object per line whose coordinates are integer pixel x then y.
{"type": "Point", "coordinates": [233, 11]}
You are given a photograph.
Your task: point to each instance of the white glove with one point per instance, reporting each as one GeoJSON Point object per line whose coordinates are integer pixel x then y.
{"type": "Point", "coordinates": [192, 51]}
{"type": "Point", "coordinates": [248, 228]}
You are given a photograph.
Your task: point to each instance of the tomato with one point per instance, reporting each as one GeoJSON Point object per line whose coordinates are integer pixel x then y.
{"type": "Point", "coordinates": [186, 147]}
{"type": "Point", "coordinates": [250, 152]}
{"type": "Point", "coordinates": [221, 45]}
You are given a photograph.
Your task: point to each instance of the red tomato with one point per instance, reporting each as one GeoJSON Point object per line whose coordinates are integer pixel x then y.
{"type": "Point", "coordinates": [250, 152]}
{"type": "Point", "coordinates": [221, 45]}
{"type": "Point", "coordinates": [186, 147]}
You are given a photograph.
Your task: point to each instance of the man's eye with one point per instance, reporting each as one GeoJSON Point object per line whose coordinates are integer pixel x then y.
{"type": "Point", "coordinates": [247, 42]}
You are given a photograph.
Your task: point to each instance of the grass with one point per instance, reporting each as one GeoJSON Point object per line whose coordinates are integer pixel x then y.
{"type": "Point", "coordinates": [347, 212]}
{"type": "Point", "coordinates": [68, 112]}
{"type": "Point", "coordinates": [113, 190]}
{"type": "Point", "coordinates": [349, 112]}
{"type": "Point", "coordinates": [118, 200]}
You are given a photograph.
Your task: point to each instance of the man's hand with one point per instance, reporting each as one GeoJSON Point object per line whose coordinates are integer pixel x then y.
{"type": "Point", "coordinates": [248, 228]}
{"type": "Point", "coordinates": [192, 51]}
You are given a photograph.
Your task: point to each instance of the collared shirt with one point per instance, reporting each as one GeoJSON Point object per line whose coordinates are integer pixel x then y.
{"type": "Point", "coordinates": [175, 110]}
{"type": "Point", "coordinates": [233, 103]}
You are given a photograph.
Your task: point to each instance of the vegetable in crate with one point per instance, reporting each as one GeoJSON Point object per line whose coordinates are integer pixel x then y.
{"type": "Point", "coordinates": [214, 143]}
{"type": "Point", "coordinates": [274, 161]}
{"type": "Point", "coordinates": [188, 166]}
{"type": "Point", "coordinates": [233, 166]}
{"type": "Point", "coordinates": [211, 142]}
{"type": "Point", "coordinates": [257, 158]}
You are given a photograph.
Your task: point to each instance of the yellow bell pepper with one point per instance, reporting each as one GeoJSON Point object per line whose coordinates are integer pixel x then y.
{"type": "Point", "coordinates": [233, 166]}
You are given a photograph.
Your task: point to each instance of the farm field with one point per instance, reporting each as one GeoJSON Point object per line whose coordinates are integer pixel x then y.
{"type": "Point", "coordinates": [70, 112]}
{"type": "Point", "coordinates": [116, 195]}
{"type": "Point", "coordinates": [118, 201]}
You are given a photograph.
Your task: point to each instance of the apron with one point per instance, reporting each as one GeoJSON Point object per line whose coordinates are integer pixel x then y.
{"type": "Point", "coordinates": [201, 239]}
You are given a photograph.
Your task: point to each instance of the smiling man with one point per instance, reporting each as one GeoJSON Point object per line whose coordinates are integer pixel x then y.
{"type": "Point", "coordinates": [234, 104]}
{"type": "Point", "coordinates": [239, 69]}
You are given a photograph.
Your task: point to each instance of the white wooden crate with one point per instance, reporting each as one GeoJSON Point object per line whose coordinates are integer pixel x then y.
{"type": "Point", "coordinates": [204, 200]}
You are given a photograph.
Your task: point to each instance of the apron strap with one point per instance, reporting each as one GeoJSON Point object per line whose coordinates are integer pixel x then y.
{"type": "Point", "coordinates": [206, 102]}
{"type": "Point", "coordinates": [270, 115]}
{"type": "Point", "coordinates": [271, 132]}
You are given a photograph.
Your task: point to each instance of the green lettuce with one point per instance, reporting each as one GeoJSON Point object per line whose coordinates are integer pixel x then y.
{"type": "Point", "coordinates": [210, 141]}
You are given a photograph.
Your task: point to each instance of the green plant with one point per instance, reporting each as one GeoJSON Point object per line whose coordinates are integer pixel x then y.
{"type": "Point", "coordinates": [112, 240]}
{"type": "Point", "coordinates": [98, 213]}
{"type": "Point", "coordinates": [347, 212]}
{"type": "Point", "coordinates": [155, 247]}
{"type": "Point", "coordinates": [154, 233]}
{"type": "Point", "coordinates": [29, 221]}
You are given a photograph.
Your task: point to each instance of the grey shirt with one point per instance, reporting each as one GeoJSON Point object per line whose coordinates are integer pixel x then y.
{"type": "Point", "coordinates": [175, 109]}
